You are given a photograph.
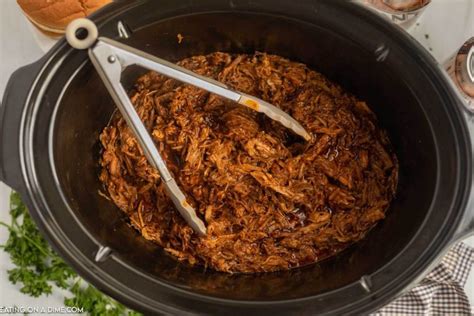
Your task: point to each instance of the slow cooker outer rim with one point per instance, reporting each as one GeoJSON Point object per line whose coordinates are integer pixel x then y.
{"type": "Point", "coordinates": [36, 192]}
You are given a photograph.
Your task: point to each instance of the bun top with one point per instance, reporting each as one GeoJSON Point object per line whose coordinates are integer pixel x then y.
{"type": "Point", "coordinates": [52, 16]}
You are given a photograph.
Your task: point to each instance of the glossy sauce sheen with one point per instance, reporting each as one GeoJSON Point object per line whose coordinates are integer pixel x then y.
{"type": "Point", "coordinates": [270, 200]}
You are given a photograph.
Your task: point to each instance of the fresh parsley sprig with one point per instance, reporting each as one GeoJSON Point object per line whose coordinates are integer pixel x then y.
{"type": "Point", "coordinates": [38, 268]}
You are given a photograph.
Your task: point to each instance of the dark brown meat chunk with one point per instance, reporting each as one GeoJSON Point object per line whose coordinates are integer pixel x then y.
{"type": "Point", "coordinates": [269, 200]}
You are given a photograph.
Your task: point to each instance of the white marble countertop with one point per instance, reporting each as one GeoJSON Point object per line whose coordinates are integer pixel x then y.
{"type": "Point", "coordinates": [447, 22]}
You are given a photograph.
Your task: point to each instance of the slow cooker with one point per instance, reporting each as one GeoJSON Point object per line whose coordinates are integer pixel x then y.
{"type": "Point", "coordinates": [54, 109]}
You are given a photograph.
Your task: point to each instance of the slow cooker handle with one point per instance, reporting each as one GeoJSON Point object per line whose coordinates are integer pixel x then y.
{"type": "Point", "coordinates": [466, 226]}
{"type": "Point", "coordinates": [11, 109]}
{"type": "Point", "coordinates": [470, 206]}
{"type": "Point", "coordinates": [460, 68]}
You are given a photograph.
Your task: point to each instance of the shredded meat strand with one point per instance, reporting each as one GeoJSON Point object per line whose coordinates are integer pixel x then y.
{"type": "Point", "coordinates": [270, 200]}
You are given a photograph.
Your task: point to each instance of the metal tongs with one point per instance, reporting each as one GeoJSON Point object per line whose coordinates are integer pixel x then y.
{"type": "Point", "coordinates": [110, 58]}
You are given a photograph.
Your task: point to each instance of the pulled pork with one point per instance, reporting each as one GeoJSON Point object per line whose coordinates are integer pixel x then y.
{"type": "Point", "coordinates": [270, 200]}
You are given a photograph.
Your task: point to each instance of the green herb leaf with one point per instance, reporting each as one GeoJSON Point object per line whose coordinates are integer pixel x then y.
{"type": "Point", "coordinates": [38, 268]}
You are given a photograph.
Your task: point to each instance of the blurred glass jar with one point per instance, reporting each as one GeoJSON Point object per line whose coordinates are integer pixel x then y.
{"type": "Point", "coordinates": [402, 12]}
{"type": "Point", "coordinates": [460, 67]}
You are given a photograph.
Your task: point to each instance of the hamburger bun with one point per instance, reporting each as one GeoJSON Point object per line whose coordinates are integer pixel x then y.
{"type": "Point", "coordinates": [52, 16]}
{"type": "Point", "coordinates": [397, 6]}
{"type": "Point", "coordinates": [405, 5]}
